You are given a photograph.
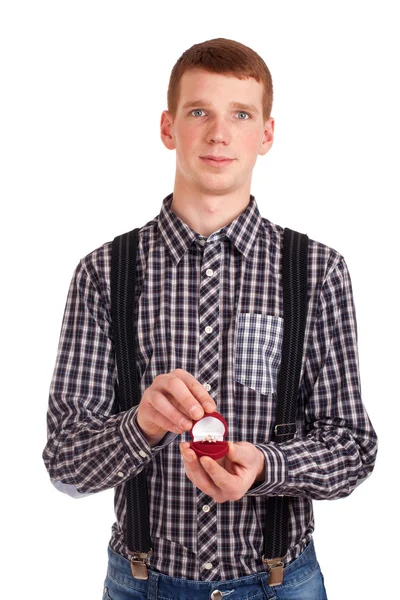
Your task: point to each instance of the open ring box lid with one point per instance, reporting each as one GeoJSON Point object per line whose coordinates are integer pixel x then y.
{"type": "Point", "coordinates": [212, 424]}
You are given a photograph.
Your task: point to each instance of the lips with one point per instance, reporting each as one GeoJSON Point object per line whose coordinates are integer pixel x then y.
{"type": "Point", "coordinates": [217, 158]}
{"type": "Point", "coordinates": [217, 161]}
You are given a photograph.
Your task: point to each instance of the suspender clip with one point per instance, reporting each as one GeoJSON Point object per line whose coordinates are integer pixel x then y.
{"type": "Point", "coordinates": [138, 565]}
{"type": "Point", "coordinates": [275, 570]}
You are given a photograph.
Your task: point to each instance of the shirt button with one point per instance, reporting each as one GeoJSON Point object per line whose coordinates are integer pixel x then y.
{"type": "Point", "coordinates": [207, 386]}
{"type": "Point", "coordinates": [120, 474]}
{"type": "Point", "coordinates": [208, 566]}
{"type": "Point", "coordinates": [142, 453]}
{"type": "Point", "coordinates": [206, 508]}
{"type": "Point", "coordinates": [208, 329]}
{"type": "Point", "coordinates": [209, 272]}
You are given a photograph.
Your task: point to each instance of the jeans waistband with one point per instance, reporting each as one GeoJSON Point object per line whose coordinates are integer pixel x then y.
{"type": "Point", "coordinates": [119, 569]}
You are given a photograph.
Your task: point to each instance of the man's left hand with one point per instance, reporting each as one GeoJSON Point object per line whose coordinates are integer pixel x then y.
{"type": "Point", "coordinates": [230, 477]}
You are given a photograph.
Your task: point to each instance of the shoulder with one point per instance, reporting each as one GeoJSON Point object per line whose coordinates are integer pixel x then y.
{"type": "Point", "coordinates": [96, 265]}
{"type": "Point", "coordinates": [322, 259]}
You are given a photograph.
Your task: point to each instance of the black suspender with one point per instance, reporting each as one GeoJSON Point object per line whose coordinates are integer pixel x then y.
{"type": "Point", "coordinates": [123, 278]}
{"type": "Point", "coordinates": [294, 282]}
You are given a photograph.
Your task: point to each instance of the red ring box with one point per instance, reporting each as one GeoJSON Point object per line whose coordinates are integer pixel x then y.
{"type": "Point", "coordinates": [213, 424]}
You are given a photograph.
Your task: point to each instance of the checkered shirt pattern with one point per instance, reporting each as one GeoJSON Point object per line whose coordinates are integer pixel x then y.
{"type": "Point", "coordinates": [212, 306]}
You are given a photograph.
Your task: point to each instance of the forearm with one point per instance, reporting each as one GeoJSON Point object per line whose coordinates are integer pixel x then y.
{"type": "Point", "coordinates": [96, 454]}
{"type": "Point", "coordinates": [328, 463]}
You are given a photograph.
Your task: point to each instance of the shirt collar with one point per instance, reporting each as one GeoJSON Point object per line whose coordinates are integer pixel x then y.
{"type": "Point", "coordinates": [178, 236]}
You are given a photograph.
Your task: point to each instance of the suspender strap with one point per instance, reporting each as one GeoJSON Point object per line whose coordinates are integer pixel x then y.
{"type": "Point", "coordinates": [294, 282]}
{"type": "Point", "coordinates": [123, 278]}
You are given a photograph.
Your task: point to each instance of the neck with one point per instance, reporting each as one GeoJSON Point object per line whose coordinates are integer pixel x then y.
{"type": "Point", "coordinates": [208, 213]}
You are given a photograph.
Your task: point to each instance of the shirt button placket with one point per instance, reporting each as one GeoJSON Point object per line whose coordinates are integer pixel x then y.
{"type": "Point", "coordinates": [208, 375]}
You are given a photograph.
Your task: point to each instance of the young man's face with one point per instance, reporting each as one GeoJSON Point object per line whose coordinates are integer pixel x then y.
{"type": "Point", "coordinates": [212, 126]}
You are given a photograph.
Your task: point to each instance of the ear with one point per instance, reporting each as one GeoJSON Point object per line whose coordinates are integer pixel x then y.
{"type": "Point", "coordinates": [166, 130]}
{"type": "Point", "coordinates": [268, 137]}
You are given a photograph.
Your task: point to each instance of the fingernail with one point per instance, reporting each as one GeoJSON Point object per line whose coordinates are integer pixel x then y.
{"type": "Point", "coordinates": [196, 412]}
{"type": "Point", "coordinates": [188, 457]}
{"type": "Point", "coordinates": [209, 406]}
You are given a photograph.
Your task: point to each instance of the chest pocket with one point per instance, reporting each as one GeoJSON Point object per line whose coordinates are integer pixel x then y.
{"type": "Point", "coordinates": [257, 350]}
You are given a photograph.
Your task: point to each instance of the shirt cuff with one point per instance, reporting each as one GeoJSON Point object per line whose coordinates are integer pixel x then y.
{"type": "Point", "coordinates": [133, 438]}
{"type": "Point", "coordinates": [275, 471]}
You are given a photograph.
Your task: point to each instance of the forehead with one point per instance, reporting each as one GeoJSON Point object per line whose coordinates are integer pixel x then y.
{"type": "Point", "coordinates": [198, 84]}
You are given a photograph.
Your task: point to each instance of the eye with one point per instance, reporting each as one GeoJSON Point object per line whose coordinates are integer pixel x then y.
{"type": "Point", "coordinates": [243, 113]}
{"type": "Point", "coordinates": [196, 110]}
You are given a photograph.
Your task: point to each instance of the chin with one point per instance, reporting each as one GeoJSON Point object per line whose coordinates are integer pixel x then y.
{"type": "Point", "coordinates": [217, 184]}
{"type": "Point", "coordinates": [216, 190]}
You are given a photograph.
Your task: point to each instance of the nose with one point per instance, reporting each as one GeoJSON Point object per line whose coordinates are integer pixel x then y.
{"type": "Point", "coordinates": [218, 131]}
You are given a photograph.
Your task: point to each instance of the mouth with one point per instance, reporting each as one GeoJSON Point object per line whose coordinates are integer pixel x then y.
{"type": "Point", "coordinates": [217, 161]}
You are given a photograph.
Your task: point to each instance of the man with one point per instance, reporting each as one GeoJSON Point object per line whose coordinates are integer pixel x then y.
{"type": "Point", "coordinates": [209, 323]}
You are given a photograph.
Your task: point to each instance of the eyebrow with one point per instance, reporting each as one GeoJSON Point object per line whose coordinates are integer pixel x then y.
{"type": "Point", "coordinates": [249, 107]}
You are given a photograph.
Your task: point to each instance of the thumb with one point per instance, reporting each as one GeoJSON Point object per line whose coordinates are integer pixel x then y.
{"type": "Point", "coordinates": [235, 453]}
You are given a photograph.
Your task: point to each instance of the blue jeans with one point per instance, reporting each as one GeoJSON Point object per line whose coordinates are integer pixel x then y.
{"type": "Point", "coordinates": [303, 580]}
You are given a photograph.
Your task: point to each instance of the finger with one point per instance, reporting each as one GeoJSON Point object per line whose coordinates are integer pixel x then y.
{"type": "Point", "coordinates": [188, 455]}
{"type": "Point", "coordinates": [200, 473]}
{"type": "Point", "coordinates": [189, 394]}
{"type": "Point", "coordinates": [242, 453]}
{"type": "Point", "coordinates": [200, 479]}
{"type": "Point", "coordinates": [188, 472]}
{"type": "Point", "coordinates": [235, 454]}
{"type": "Point", "coordinates": [221, 479]}
{"type": "Point", "coordinates": [165, 415]}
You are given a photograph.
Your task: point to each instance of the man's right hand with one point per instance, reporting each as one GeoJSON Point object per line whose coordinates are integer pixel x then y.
{"type": "Point", "coordinates": [170, 404]}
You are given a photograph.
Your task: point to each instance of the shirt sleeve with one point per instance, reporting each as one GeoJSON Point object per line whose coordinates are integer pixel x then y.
{"type": "Point", "coordinates": [338, 450]}
{"type": "Point", "coordinates": [90, 446]}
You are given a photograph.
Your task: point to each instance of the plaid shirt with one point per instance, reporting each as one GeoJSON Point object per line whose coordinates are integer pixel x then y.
{"type": "Point", "coordinates": [91, 447]}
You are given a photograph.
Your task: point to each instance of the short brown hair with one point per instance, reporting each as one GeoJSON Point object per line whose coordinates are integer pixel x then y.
{"type": "Point", "coordinates": [226, 57]}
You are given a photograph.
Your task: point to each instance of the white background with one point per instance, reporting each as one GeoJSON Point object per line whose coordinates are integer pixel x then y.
{"type": "Point", "coordinates": [83, 85]}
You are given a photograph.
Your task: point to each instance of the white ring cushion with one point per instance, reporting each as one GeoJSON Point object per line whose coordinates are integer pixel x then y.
{"type": "Point", "coordinates": [208, 426]}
